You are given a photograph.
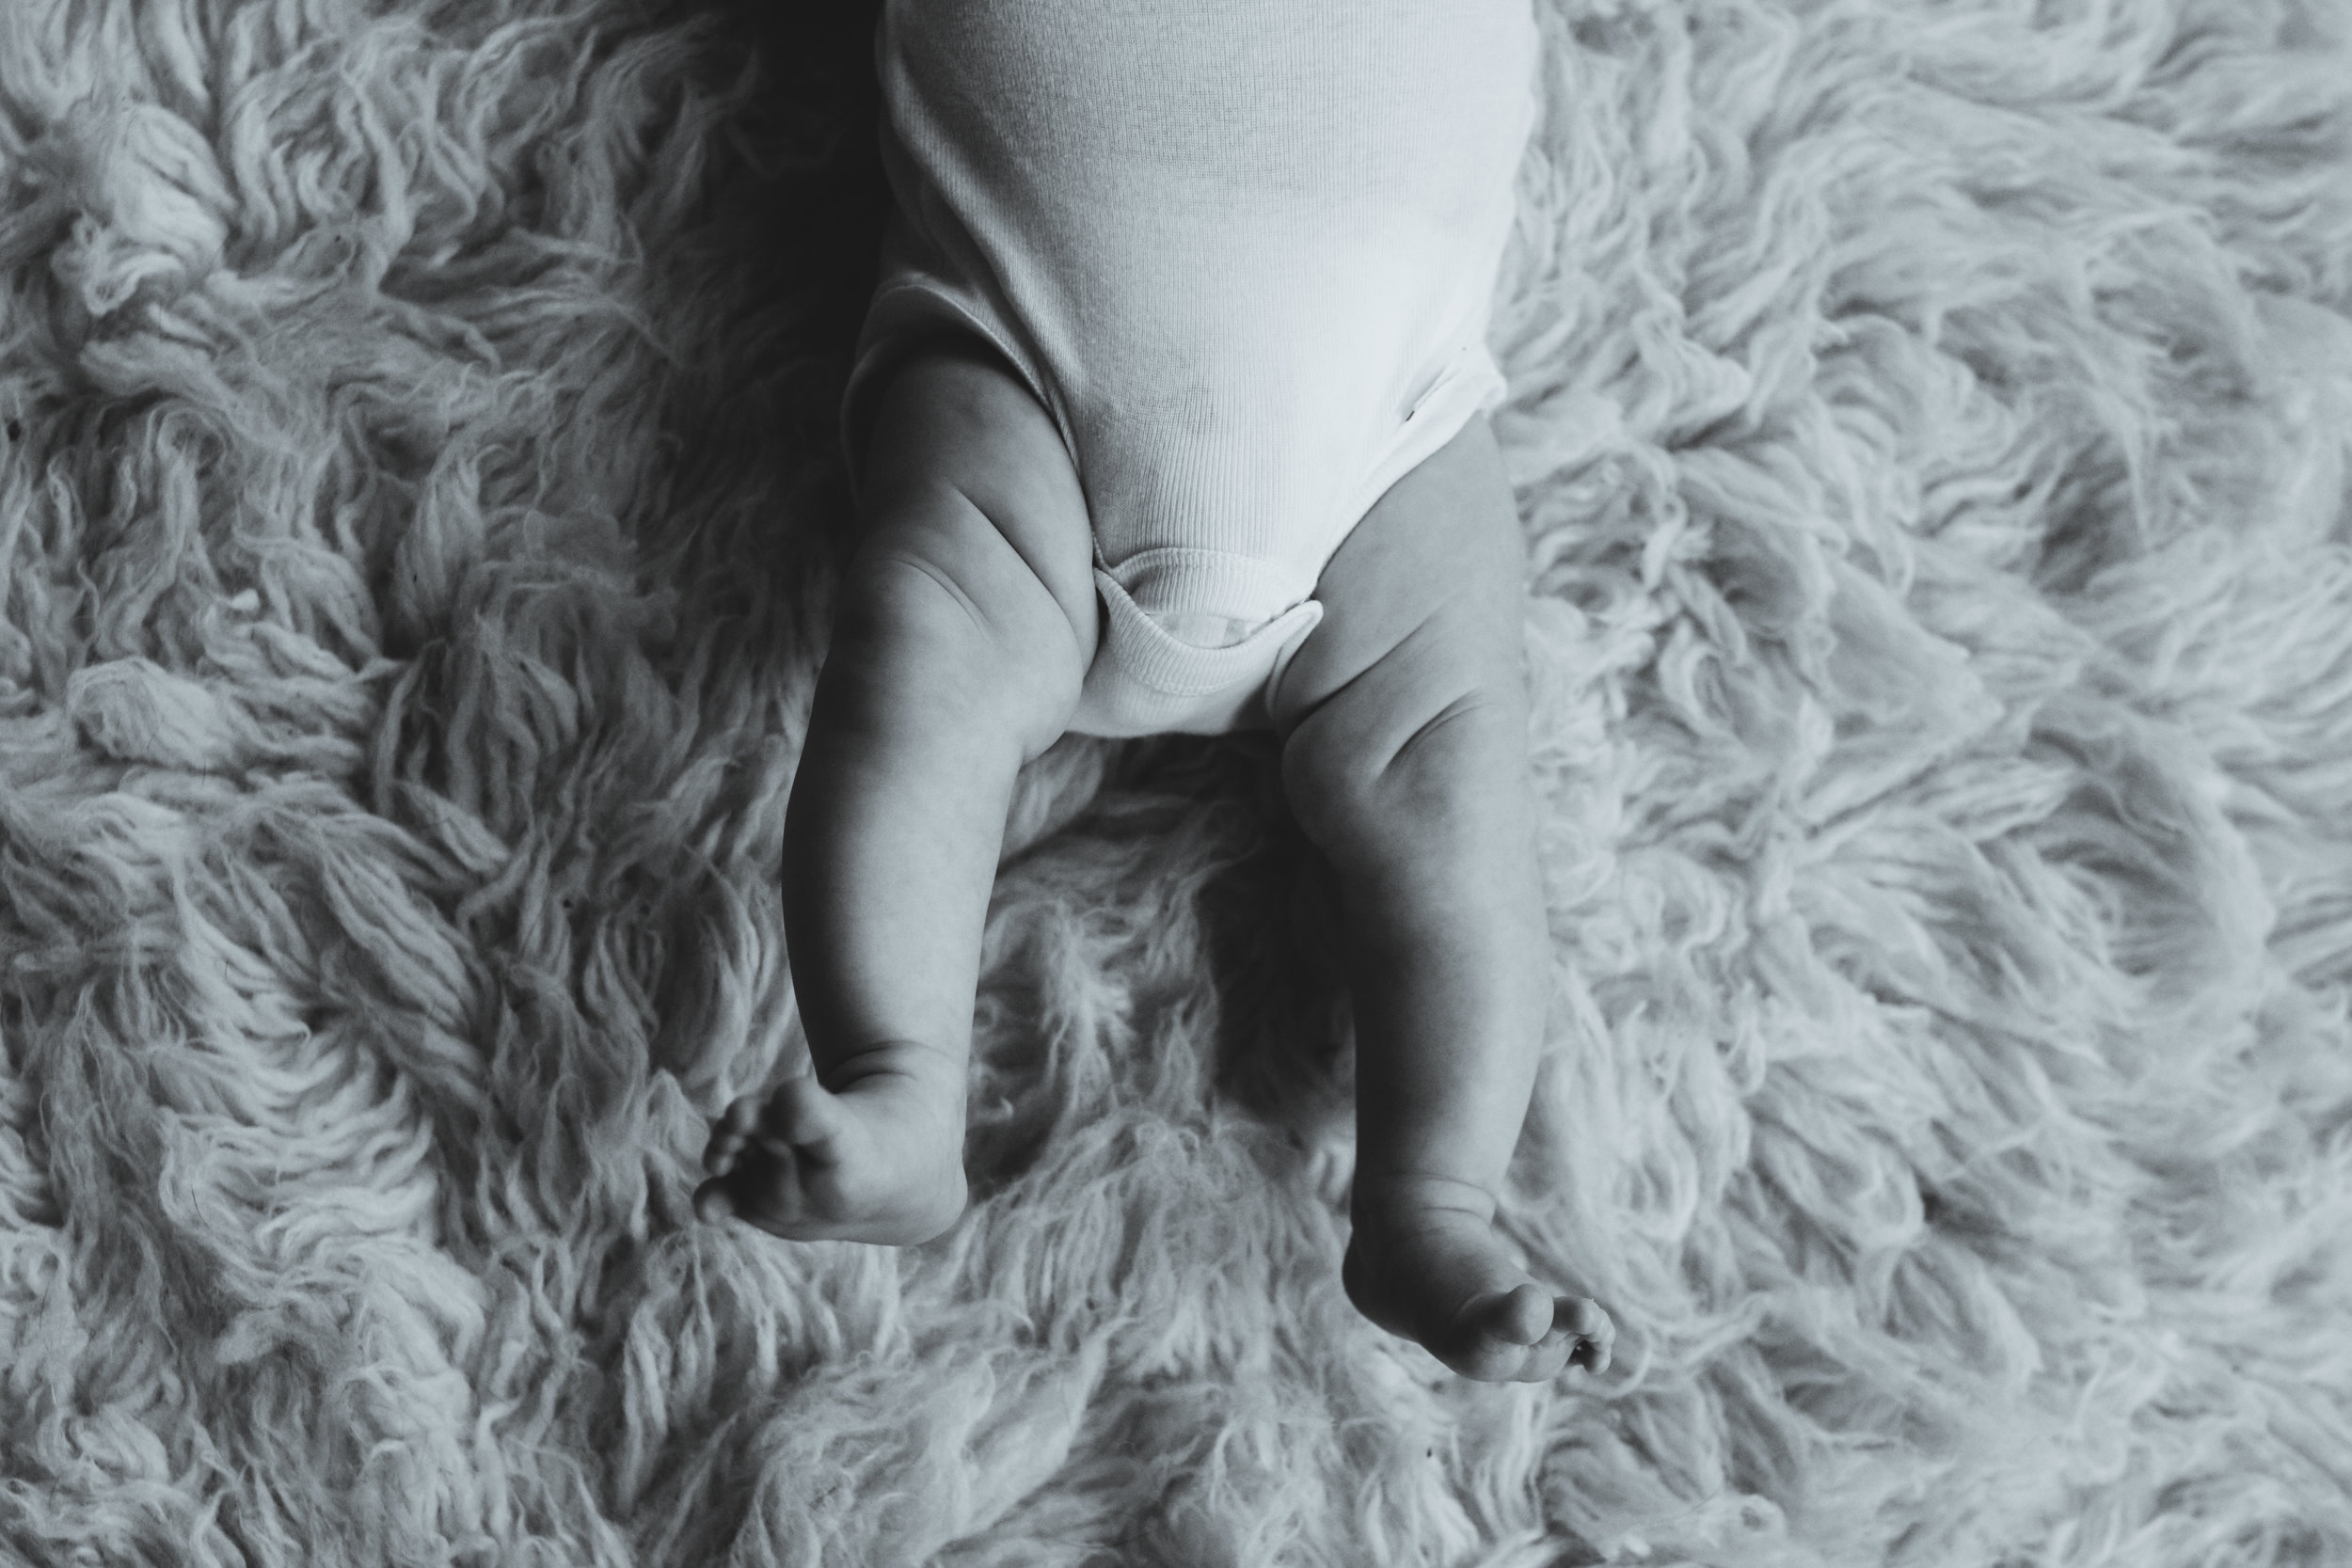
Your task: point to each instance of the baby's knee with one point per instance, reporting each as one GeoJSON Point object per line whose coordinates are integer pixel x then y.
{"type": "Point", "coordinates": [1385, 770]}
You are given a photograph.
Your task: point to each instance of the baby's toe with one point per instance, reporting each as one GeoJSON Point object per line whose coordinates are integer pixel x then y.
{"type": "Point", "coordinates": [1522, 1316]}
{"type": "Point", "coordinates": [1542, 1361]}
{"type": "Point", "coordinates": [1501, 1337]}
{"type": "Point", "coordinates": [712, 1201]}
{"type": "Point", "coordinates": [1516, 1318]}
{"type": "Point", "coordinates": [1576, 1333]}
{"type": "Point", "coordinates": [723, 1151]}
{"type": "Point", "coordinates": [729, 1133]}
{"type": "Point", "coordinates": [1590, 1329]}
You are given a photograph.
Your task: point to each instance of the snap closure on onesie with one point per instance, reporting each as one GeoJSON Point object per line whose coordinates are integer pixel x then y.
{"type": "Point", "coordinates": [1243, 252]}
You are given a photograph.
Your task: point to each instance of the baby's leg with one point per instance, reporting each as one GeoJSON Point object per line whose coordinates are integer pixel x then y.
{"type": "Point", "coordinates": [966, 622]}
{"type": "Point", "coordinates": [1404, 720]}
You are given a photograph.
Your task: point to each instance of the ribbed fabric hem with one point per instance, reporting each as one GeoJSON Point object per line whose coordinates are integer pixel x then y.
{"type": "Point", "coordinates": [1144, 681]}
{"type": "Point", "coordinates": [1150, 657]}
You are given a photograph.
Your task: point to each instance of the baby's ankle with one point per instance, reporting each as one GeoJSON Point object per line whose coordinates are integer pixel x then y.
{"type": "Point", "coordinates": [1380, 1196]}
{"type": "Point", "coordinates": [899, 1064]}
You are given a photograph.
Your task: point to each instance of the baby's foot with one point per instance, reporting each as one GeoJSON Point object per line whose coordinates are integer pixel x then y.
{"type": "Point", "coordinates": [1424, 1263]}
{"type": "Point", "coordinates": [882, 1161]}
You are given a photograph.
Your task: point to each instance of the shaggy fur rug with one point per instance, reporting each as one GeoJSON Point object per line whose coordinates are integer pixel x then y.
{"type": "Point", "coordinates": [419, 510]}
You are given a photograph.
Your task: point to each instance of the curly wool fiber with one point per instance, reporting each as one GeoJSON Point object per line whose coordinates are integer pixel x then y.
{"type": "Point", "coordinates": [419, 513]}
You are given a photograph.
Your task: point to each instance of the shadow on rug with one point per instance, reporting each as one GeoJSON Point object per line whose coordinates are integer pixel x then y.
{"type": "Point", "coordinates": [418, 519]}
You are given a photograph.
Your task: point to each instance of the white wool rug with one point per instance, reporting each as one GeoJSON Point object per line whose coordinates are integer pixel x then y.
{"type": "Point", "coordinates": [417, 517]}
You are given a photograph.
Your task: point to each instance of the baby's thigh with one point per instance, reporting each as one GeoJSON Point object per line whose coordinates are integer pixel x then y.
{"type": "Point", "coordinates": [1424, 608]}
{"type": "Point", "coordinates": [965, 474]}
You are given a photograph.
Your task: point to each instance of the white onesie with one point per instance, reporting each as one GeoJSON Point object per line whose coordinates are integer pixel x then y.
{"type": "Point", "coordinates": [1242, 251]}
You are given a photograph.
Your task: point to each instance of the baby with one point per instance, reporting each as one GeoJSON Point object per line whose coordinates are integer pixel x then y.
{"type": "Point", "coordinates": [1170, 414]}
